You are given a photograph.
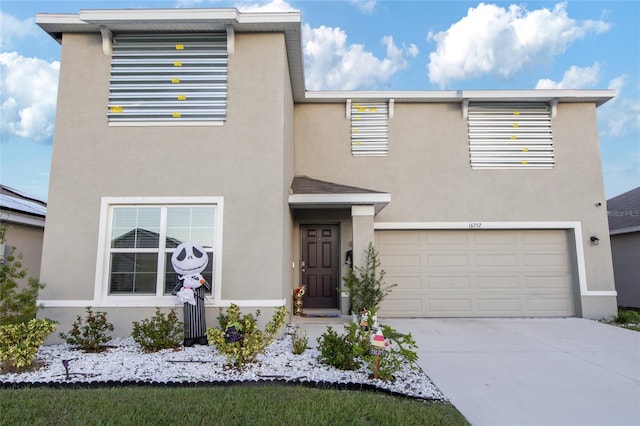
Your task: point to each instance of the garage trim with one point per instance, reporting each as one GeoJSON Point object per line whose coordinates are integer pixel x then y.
{"type": "Point", "coordinates": [574, 227]}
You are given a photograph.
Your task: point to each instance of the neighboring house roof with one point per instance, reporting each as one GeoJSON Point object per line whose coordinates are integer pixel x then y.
{"type": "Point", "coordinates": [624, 212]}
{"type": "Point", "coordinates": [313, 193]}
{"type": "Point", "coordinates": [108, 22]}
{"type": "Point", "coordinates": [19, 207]}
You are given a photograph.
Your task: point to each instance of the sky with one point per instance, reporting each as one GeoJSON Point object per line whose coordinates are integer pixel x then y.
{"type": "Point", "coordinates": [372, 45]}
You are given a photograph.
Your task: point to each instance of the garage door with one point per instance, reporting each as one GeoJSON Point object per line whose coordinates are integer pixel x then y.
{"type": "Point", "coordinates": [479, 273]}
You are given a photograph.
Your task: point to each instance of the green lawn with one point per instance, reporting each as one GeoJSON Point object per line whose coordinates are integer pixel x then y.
{"type": "Point", "coordinates": [268, 404]}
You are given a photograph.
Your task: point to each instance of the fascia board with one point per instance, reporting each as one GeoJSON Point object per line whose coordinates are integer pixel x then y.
{"type": "Point", "coordinates": [599, 97]}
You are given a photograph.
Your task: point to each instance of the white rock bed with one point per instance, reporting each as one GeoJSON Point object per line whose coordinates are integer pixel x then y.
{"type": "Point", "coordinates": [126, 363]}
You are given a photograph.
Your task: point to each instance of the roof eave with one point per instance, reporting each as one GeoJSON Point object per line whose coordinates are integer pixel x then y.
{"type": "Point", "coordinates": [306, 201]}
{"type": "Point", "coordinates": [598, 97]}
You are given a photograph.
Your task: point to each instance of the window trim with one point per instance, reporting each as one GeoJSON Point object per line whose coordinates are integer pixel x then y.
{"type": "Point", "coordinates": [101, 284]}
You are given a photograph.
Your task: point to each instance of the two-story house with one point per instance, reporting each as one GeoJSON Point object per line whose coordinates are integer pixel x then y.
{"type": "Point", "coordinates": [195, 125]}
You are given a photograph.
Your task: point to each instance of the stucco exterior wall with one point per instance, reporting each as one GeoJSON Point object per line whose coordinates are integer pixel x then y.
{"type": "Point", "coordinates": [27, 241]}
{"type": "Point", "coordinates": [242, 161]}
{"type": "Point", "coordinates": [428, 174]}
{"type": "Point", "coordinates": [625, 249]}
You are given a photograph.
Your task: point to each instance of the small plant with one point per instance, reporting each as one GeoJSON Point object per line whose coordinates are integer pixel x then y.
{"type": "Point", "coordinates": [16, 306]}
{"type": "Point", "coordinates": [159, 332]}
{"type": "Point", "coordinates": [401, 349]}
{"type": "Point", "coordinates": [239, 337]}
{"type": "Point", "coordinates": [628, 318]}
{"type": "Point", "coordinates": [365, 284]}
{"type": "Point", "coordinates": [92, 336]}
{"type": "Point", "coordinates": [19, 343]}
{"type": "Point", "coordinates": [299, 342]}
{"type": "Point", "coordinates": [343, 351]}
{"type": "Point", "coordinates": [353, 348]}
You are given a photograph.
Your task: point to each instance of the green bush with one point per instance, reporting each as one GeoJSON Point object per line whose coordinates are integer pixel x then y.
{"type": "Point", "coordinates": [19, 343]}
{"type": "Point", "coordinates": [351, 349]}
{"type": "Point", "coordinates": [401, 349]}
{"type": "Point", "coordinates": [343, 351]}
{"type": "Point", "coordinates": [158, 332]}
{"type": "Point", "coordinates": [299, 342]}
{"type": "Point", "coordinates": [92, 335]}
{"type": "Point", "coordinates": [239, 337]}
{"type": "Point", "coordinates": [365, 284]}
{"type": "Point", "coordinates": [16, 306]}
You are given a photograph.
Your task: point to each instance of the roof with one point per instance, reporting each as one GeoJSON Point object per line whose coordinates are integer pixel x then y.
{"type": "Point", "coordinates": [289, 23]}
{"type": "Point", "coordinates": [624, 212]}
{"type": "Point", "coordinates": [19, 207]}
{"type": "Point", "coordinates": [307, 192]}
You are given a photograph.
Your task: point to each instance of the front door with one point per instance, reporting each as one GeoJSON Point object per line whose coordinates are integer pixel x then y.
{"type": "Point", "coordinates": [320, 265]}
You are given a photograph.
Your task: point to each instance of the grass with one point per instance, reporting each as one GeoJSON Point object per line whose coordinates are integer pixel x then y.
{"type": "Point", "coordinates": [269, 404]}
{"type": "Point", "coordinates": [628, 318]}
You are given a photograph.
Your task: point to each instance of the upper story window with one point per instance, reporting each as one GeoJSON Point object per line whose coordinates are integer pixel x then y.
{"type": "Point", "coordinates": [510, 136]}
{"type": "Point", "coordinates": [168, 79]}
{"type": "Point", "coordinates": [369, 128]}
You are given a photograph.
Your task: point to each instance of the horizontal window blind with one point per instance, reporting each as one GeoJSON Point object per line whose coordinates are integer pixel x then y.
{"type": "Point", "coordinates": [171, 77]}
{"type": "Point", "coordinates": [510, 136]}
{"type": "Point", "coordinates": [369, 129]}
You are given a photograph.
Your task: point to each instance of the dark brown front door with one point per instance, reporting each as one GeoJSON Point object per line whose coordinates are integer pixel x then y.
{"type": "Point", "coordinates": [320, 265]}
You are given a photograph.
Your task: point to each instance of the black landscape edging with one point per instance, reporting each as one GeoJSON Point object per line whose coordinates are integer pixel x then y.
{"type": "Point", "coordinates": [352, 386]}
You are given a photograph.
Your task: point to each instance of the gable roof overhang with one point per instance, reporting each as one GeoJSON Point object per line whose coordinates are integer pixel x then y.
{"type": "Point", "coordinates": [186, 21]}
{"type": "Point", "coordinates": [308, 193]}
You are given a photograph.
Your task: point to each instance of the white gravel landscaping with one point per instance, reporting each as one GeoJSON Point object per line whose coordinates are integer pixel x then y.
{"type": "Point", "coordinates": [126, 363]}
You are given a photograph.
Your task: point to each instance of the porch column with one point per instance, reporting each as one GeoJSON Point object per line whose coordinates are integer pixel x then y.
{"type": "Point", "coordinates": [362, 222]}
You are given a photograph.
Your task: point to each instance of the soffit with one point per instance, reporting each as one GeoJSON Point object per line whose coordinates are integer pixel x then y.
{"type": "Point", "coordinates": [309, 193]}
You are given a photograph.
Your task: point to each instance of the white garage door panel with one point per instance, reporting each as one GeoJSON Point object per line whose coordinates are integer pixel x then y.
{"type": "Point", "coordinates": [479, 273]}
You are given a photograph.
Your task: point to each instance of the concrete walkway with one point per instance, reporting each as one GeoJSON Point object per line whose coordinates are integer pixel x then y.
{"type": "Point", "coordinates": [516, 372]}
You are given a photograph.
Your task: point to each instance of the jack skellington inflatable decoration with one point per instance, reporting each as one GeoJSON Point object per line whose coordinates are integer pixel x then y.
{"type": "Point", "coordinates": [189, 260]}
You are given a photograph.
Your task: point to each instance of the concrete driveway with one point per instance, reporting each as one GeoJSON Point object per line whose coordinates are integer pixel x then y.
{"type": "Point", "coordinates": [516, 372]}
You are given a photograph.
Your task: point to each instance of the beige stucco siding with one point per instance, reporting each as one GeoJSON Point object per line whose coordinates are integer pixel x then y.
{"type": "Point", "coordinates": [242, 161]}
{"type": "Point", "coordinates": [428, 174]}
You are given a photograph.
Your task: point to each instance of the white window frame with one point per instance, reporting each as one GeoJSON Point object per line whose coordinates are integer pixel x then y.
{"type": "Point", "coordinates": [101, 286]}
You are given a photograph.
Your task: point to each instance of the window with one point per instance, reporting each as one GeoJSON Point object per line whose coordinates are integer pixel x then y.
{"type": "Point", "coordinates": [168, 79]}
{"type": "Point", "coordinates": [140, 239]}
{"type": "Point", "coordinates": [369, 128]}
{"type": "Point", "coordinates": [510, 136]}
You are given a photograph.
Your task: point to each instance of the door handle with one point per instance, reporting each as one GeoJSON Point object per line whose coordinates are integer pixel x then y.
{"type": "Point", "coordinates": [303, 266]}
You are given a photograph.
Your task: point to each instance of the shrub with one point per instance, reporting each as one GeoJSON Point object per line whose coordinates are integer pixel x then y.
{"type": "Point", "coordinates": [239, 337]}
{"type": "Point", "coordinates": [92, 336]}
{"type": "Point", "coordinates": [19, 343]}
{"type": "Point", "coordinates": [16, 306]}
{"type": "Point", "coordinates": [401, 349]}
{"type": "Point", "coordinates": [351, 349]}
{"type": "Point", "coordinates": [343, 351]}
{"type": "Point", "coordinates": [299, 342]}
{"type": "Point", "coordinates": [159, 332]}
{"type": "Point", "coordinates": [365, 284]}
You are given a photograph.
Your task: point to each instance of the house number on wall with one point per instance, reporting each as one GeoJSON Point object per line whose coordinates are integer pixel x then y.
{"type": "Point", "coordinates": [475, 225]}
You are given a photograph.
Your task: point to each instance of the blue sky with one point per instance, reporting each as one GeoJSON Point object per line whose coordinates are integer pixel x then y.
{"type": "Point", "coordinates": [373, 45]}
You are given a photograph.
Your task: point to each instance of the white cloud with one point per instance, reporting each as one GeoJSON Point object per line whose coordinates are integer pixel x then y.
{"type": "Point", "coordinates": [574, 78]}
{"type": "Point", "coordinates": [29, 89]}
{"type": "Point", "coordinates": [621, 115]}
{"type": "Point", "coordinates": [13, 28]}
{"type": "Point", "coordinates": [332, 64]}
{"type": "Point", "coordinates": [272, 6]}
{"type": "Point", "coordinates": [365, 6]}
{"type": "Point", "coordinates": [243, 6]}
{"type": "Point", "coordinates": [494, 40]}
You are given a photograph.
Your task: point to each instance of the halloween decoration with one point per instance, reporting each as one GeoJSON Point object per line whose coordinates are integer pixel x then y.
{"type": "Point", "coordinates": [298, 294]}
{"type": "Point", "coordinates": [189, 260]}
{"type": "Point", "coordinates": [378, 348]}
